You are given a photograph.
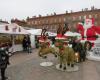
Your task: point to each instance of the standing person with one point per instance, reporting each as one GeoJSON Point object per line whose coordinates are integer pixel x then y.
{"type": "Point", "coordinates": [24, 43]}
{"type": "Point", "coordinates": [28, 43]}
{"type": "Point", "coordinates": [4, 61]}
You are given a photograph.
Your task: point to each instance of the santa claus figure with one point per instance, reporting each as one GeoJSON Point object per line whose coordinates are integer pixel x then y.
{"type": "Point", "coordinates": [88, 30]}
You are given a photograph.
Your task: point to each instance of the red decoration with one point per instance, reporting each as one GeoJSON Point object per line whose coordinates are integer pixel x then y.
{"type": "Point", "coordinates": [6, 28]}
{"type": "Point", "coordinates": [88, 30]}
{"type": "Point", "coordinates": [19, 29]}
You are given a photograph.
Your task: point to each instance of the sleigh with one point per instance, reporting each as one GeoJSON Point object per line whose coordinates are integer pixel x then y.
{"type": "Point", "coordinates": [94, 53]}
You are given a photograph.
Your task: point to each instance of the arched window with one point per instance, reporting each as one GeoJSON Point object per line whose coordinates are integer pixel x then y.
{"type": "Point", "coordinates": [90, 16]}
{"type": "Point", "coordinates": [80, 17]}
{"type": "Point", "coordinates": [85, 17]}
{"type": "Point", "coordinates": [74, 18]}
{"type": "Point", "coordinates": [95, 15]}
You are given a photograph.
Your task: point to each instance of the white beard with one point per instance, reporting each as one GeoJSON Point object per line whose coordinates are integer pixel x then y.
{"type": "Point", "coordinates": [87, 26]}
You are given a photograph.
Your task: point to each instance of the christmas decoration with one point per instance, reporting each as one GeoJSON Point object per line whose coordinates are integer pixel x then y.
{"type": "Point", "coordinates": [88, 30]}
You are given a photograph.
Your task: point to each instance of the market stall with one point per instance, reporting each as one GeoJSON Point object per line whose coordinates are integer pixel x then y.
{"type": "Point", "coordinates": [15, 34]}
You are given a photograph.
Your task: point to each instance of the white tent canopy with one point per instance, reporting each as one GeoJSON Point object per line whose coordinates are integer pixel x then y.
{"type": "Point", "coordinates": [12, 29]}
{"type": "Point", "coordinates": [69, 33]}
{"type": "Point", "coordinates": [38, 32]}
{"type": "Point", "coordinates": [35, 31]}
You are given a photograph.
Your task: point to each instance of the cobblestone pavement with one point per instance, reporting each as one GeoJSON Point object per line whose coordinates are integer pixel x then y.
{"type": "Point", "coordinates": [26, 66]}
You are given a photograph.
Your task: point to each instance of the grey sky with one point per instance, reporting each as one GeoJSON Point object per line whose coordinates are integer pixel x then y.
{"type": "Point", "coordinates": [22, 8]}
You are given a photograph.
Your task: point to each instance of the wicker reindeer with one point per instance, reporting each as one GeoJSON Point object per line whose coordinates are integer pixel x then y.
{"type": "Point", "coordinates": [44, 45]}
{"type": "Point", "coordinates": [66, 54]}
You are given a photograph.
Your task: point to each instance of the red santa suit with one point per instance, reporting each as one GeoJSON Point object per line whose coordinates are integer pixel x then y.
{"type": "Point", "coordinates": [88, 31]}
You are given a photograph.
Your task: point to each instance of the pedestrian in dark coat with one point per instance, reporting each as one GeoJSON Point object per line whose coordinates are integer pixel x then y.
{"type": "Point", "coordinates": [4, 61]}
{"type": "Point", "coordinates": [24, 43]}
{"type": "Point", "coordinates": [28, 43]}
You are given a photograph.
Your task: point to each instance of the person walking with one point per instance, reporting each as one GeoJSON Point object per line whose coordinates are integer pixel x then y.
{"type": "Point", "coordinates": [28, 43]}
{"type": "Point", "coordinates": [24, 43]}
{"type": "Point", "coordinates": [4, 61]}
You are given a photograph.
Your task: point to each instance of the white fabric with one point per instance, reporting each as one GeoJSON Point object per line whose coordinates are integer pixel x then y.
{"type": "Point", "coordinates": [69, 33]}
{"type": "Point", "coordinates": [12, 29]}
{"type": "Point", "coordinates": [35, 31]}
{"type": "Point", "coordinates": [38, 32]}
{"type": "Point", "coordinates": [90, 56]}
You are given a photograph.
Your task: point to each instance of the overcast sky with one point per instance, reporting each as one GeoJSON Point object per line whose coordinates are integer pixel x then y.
{"type": "Point", "coordinates": [22, 8]}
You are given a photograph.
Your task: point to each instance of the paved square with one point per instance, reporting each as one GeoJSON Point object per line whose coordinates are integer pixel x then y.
{"type": "Point", "coordinates": [26, 66]}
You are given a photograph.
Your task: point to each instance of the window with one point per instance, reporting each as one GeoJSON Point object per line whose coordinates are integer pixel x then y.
{"type": "Point", "coordinates": [51, 27]}
{"type": "Point", "coordinates": [59, 19]}
{"type": "Point", "coordinates": [47, 21]}
{"type": "Point", "coordinates": [95, 15]}
{"type": "Point", "coordinates": [55, 27]}
{"type": "Point", "coordinates": [73, 18]}
{"type": "Point", "coordinates": [50, 20]}
{"type": "Point", "coordinates": [80, 17]}
{"type": "Point", "coordinates": [90, 16]}
{"type": "Point", "coordinates": [29, 23]}
{"type": "Point", "coordinates": [85, 17]}
{"type": "Point", "coordinates": [55, 20]}
{"type": "Point", "coordinates": [38, 22]}
{"type": "Point", "coordinates": [35, 22]}
{"type": "Point", "coordinates": [64, 19]}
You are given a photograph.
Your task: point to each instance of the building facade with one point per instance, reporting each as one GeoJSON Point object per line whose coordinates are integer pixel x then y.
{"type": "Point", "coordinates": [19, 22]}
{"type": "Point", "coordinates": [51, 22]}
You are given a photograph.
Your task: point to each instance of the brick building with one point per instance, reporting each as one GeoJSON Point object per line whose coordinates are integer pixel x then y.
{"type": "Point", "coordinates": [19, 22]}
{"type": "Point", "coordinates": [51, 22]}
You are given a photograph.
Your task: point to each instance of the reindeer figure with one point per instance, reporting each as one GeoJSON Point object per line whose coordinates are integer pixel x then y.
{"type": "Point", "coordinates": [45, 45]}
{"type": "Point", "coordinates": [66, 55]}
